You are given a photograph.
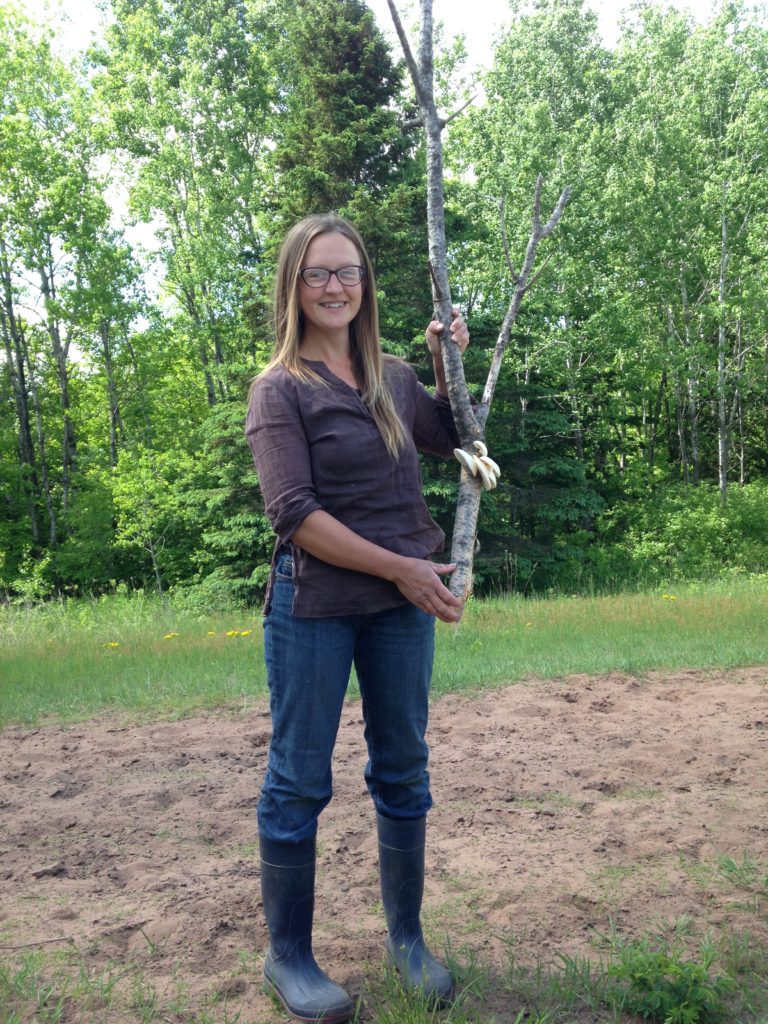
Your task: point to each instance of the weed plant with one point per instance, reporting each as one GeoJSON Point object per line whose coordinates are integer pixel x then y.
{"type": "Point", "coordinates": [661, 985]}
{"type": "Point", "coordinates": [747, 875]}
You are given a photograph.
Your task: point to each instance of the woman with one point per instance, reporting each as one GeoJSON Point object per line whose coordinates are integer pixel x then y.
{"type": "Point", "coordinates": [334, 425]}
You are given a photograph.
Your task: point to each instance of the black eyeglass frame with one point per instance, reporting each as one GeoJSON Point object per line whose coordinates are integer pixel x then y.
{"type": "Point", "coordinates": [325, 270]}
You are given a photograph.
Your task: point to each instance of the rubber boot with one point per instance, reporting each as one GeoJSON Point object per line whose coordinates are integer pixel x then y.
{"type": "Point", "coordinates": [401, 862]}
{"type": "Point", "coordinates": [290, 970]}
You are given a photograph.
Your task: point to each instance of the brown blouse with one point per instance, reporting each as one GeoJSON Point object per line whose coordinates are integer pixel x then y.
{"type": "Point", "coordinates": [318, 447]}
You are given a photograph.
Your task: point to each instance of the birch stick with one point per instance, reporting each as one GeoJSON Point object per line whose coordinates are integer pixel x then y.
{"type": "Point", "coordinates": [470, 422]}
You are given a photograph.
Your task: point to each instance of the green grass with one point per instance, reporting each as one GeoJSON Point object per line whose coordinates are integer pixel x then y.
{"type": "Point", "coordinates": [56, 662]}
{"type": "Point", "coordinates": [676, 976]}
{"type": "Point", "coordinates": [510, 638]}
{"type": "Point", "coordinates": [127, 654]}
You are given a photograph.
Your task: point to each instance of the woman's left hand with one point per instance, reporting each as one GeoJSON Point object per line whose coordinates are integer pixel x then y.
{"type": "Point", "coordinates": [459, 334]}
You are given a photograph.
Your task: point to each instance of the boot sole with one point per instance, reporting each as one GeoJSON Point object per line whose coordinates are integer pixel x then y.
{"type": "Point", "coordinates": [326, 1018]}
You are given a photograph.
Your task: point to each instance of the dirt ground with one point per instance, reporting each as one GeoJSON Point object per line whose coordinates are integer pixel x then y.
{"type": "Point", "coordinates": [559, 806]}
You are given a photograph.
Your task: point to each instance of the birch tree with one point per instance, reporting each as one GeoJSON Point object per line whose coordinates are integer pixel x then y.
{"type": "Point", "coordinates": [470, 420]}
{"type": "Point", "coordinates": [691, 144]}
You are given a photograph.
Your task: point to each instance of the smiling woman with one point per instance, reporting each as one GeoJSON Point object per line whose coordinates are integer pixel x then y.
{"type": "Point", "coordinates": [334, 426]}
{"type": "Point", "coordinates": [330, 294]}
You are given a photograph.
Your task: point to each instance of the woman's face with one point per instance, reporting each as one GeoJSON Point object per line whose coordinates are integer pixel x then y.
{"type": "Point", "coordinates": [334, 305]}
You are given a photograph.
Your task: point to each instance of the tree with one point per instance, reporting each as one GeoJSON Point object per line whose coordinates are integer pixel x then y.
{"type": "Point", "coordinates": [336, 133]}
{"type": "Point", "coordinates": [57, 252]}
{"type": "Point", "coordinates": [151, 512]}
{"type": "Point", "coordinates": [186, 96]}
{"type": "Point", "coordinates": [690, 144]}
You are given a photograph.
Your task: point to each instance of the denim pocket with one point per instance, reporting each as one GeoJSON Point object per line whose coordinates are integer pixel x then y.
{"type": "Point", "coordinates": [284, 566]}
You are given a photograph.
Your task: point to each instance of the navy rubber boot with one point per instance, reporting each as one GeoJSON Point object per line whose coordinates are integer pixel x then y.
{"type": "Point", "coordinates": [401, 862]}
{"type": "Point", "coordinates": [290, 970]}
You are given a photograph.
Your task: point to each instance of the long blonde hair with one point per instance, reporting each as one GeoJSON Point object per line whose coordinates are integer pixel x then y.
{"type": "Point", "coordinates": [368, 359]}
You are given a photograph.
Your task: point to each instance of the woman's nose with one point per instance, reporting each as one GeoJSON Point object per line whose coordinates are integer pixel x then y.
{"type": "Point", "coordinates": [333, 284]}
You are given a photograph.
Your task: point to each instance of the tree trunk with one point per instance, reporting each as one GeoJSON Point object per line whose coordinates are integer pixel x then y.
{"type": "Point", "coordinates": [680, 402]}
{"type": "Point", "coordinates": [693, 383]}
{"type": "Point", "coordinates": [218, 350]}
{"type": "Point", "coordinates": [680, 405]}
{"type": "Point", "coordinates": [149, 433]}
{"type": "Point", "coordinates": [655, 418]}
{"type": "Point", "coordinates": [578, 433]}
{"type": "Point", "coordinates": [150, 546]}
{"type": "Point", "coordinates": [115, 422]}
{"type": "Point", "coordinates": [194, 313]}
{"type": "Point", "coordinates": [722, 398]}
{"type": "Point", "coordinates": [53, 526]}
{"type": "Point", "coordinates": [742, 448]}
{"type": "Point", "coordinates": [736, 415]}
{"type": "Point", "coordinates": [13, 341]}
{"type": "Point", "coordinates": [60, 350]}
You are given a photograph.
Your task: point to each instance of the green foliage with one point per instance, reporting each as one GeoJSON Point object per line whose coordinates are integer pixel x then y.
{"type": "Point", "coordinates": [66, 277]}
{"type": "Point", "coordinates": [338, 133]}
{"type": "Point", "coordinates": [664, 987]}
{"type": "Point", "coordinates": [151, 514]}
{"type": "Point", "coordinates": [682, 533]}
{"type": "Point", "coordinates": [339, 145]}
{"type": "Point", "coordinates": [186, 92]}
{"type": "Point", "coordinates": [637, 367]}
{"type": "Point", "coordinates": [236, 539]}
{"type": "Point", "coordinates": [88, 559]}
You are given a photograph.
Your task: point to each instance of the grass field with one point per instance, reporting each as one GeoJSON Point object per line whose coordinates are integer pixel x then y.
{"type": "Point", "coordinates": [72, 660]}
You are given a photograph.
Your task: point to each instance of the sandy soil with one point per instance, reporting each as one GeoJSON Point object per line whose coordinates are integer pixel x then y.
{"type": "Point", "coordinates": [558, 806]}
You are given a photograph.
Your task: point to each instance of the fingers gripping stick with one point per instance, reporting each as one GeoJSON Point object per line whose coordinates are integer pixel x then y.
{"type": "Point", "coordinates": [479, 464]}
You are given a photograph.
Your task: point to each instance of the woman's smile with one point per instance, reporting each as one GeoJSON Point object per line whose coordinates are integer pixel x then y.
{"type": "Point", "coordinates": [334, 305]}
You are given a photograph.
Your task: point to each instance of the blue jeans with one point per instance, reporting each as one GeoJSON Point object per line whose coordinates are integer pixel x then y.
{"type": "Point", "coordinates": [308, 667]}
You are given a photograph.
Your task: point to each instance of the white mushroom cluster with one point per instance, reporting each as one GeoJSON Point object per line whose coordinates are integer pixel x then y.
{"type": "Point", "coordinates": [479, 464]}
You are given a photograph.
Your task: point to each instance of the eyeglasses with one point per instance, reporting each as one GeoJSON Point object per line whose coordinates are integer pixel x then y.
{"type": "Point", "coordinates": [316, 277]}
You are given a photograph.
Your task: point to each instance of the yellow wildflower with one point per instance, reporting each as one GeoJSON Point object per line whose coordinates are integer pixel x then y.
{"type": "Point", "coordinates": [170, 636]}
{"type": "Point", "coordinates": [112, 643]}
{"type": "Point", "coordinates": [246, 632]}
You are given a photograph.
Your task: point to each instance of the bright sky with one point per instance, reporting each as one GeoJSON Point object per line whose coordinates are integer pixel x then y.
{"type": "Point", "coordinates": [480, 28]}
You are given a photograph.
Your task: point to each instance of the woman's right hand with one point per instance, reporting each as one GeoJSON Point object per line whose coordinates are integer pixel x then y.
{"type": "Point", "coordinates": [419, 581]}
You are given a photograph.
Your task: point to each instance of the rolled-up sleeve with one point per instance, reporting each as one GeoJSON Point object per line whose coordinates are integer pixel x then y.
{"type": "Point", "coordinates": [278, 442]}
{"type": "Point", "coordinates": [433, 428]}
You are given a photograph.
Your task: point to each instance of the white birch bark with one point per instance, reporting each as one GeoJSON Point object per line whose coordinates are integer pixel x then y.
{"type": "Point", "coordinates": [470, 421]}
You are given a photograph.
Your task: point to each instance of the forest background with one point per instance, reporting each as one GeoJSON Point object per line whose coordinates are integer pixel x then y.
{"type": "Point", "coordinates": [630, 420]}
